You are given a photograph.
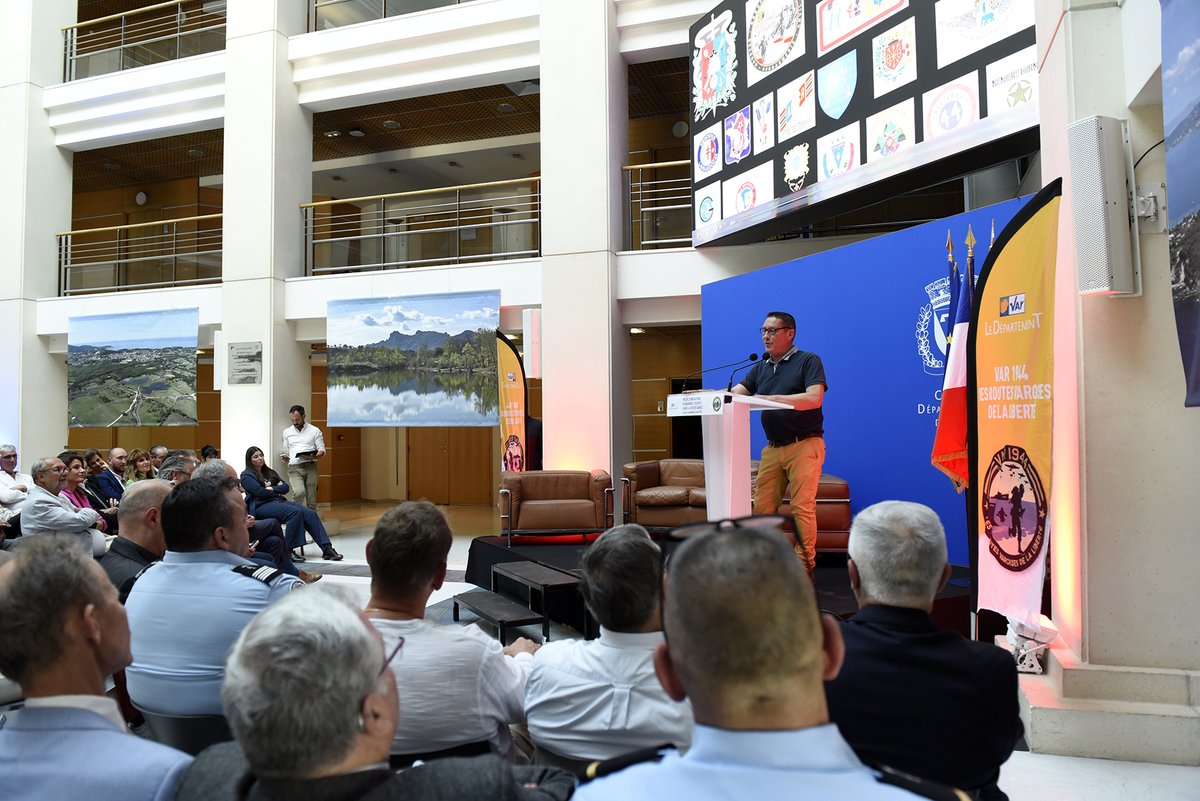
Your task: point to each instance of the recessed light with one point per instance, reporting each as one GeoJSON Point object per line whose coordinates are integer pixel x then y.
{"type": "Point", "coordinates": [453, 164]}
{"type": "Point", "coordinates": [336, 178]}
{"type": "Point", "coordinates": [334, 134]}
{"type": "Point", "coordinates": [195, 153]}
{"type": "Point", "coordinates": [391, 125]}
{"type": "Point", "coordinates": [357, 133]}
{"type": "Point", "coordinates": [393, 170]}
{"type": "Point", "coordinates": [112, 166]}
{"type": "Point", "coordinates": [506, 108]}
{"type": "Point", "coordinates": [637, 330]}
{"type": "Point", "coordinates": [517, 156]}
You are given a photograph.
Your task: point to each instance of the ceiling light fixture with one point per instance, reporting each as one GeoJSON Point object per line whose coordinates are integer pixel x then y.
{"type": "Point", "coordinates": [334, 134]}
{"type": "Point", "coordinates": [357, 133]}
{"type": "Point", "coordinates": [112, 166]}
{"type": "Point", "coordinates": [196, 153]}
{"type": "Point", "coordinates": [453, 164]}
{"type": "Point", "coordinates": [637, 330]}
{"type": "Point", "coordinates": [506, 108]}
{"type": "Point", "coordinates": [391, 125]}
{"type": "Point", "coordinates": [336, 178]}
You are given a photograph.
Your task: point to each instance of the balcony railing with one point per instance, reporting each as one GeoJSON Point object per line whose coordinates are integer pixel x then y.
{"type": "Point", "coordinates": [149, 255]}
{"type": "Point", "coordinates": [659, 205]}
{"type": "Point", "coordinates": [161, 32]}
{"type": "Point", "coordinates": [324, 14]}
{"type": "Point", "coordinates": [431, 227]}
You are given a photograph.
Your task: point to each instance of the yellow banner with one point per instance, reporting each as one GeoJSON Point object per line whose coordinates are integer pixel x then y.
{"type": "Point", "coordinates": [1012, 381]}
{"type": "Point", "coordinates": [511, 375]}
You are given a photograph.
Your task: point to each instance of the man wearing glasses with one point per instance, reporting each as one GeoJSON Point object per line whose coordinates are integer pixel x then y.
{"type": "Point", "coordinates": [48, 512]}
{"type": "Point", "coordinates": [14, 489]}
{"type": "Point", "coordinates": [795, 450]}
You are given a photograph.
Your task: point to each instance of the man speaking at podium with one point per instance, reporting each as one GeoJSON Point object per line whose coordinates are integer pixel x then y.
{"type": "Point", "coordinates": [795, 451]}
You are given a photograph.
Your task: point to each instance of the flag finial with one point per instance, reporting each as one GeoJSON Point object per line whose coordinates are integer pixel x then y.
{"type": "Point", "coordinates": [970, 240]}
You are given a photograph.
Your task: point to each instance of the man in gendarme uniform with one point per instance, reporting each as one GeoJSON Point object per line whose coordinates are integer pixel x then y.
{"type": "Point", "coordinates": [795, 451]}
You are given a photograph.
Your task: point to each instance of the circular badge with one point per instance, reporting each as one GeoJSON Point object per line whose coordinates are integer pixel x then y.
{"type": "Point", "coordinates": [706, 209]}
{"type": "Point", "coordinates": [717, 404]}
{"type": "Point", "coordinates": [1014, 509]}
{"type": "Point", "coordinates": [774, 27]}
{"type": "Point", "coordinates": [746, 196]}
{"type": "Point", "coordinates": [708, 152]}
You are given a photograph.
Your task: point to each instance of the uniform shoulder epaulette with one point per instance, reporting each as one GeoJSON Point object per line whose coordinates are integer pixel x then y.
{"type": "Point", "coordinates": [919, 786]}
{"type": "Point", "coordinates": [603, 767]}
{"type": "Point", "coordinates": [261, 572]}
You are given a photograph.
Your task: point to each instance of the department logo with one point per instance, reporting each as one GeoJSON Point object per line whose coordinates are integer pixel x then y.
{"type": "Point", "coordinates": [890, 139]}
{"type": "Point", "coordinates": [706, 209]}
{"type": "Point", "coordinates": [773, 29]}
{"type": "Point", "coordinates": [1011, 305]}
{"type": "Point", "coordinates": [836, 82]}
{"type": "Point", "coordinates": [1014, 509]}
{"type": "Point", "coordinates": [1019, 92]}
{"type": "Point", "coordinates": [745, 197]}
{"type": "Point", "coordinates": [737, 136]}
{"type": "Point", "coordinates": [717, 404]}
{"type": "Point", "coordinates": [931, 327]}
{"type": "Point", "coordinates": [512, 376]}
{"type": "Point", "coordinates": [795, 166]}
{"type": "Point", "coordinates": [840, 158]}
{"type": "Point", "coordinates": [714, 65]}
{"type": "Point", "coordinates": [708, 153]}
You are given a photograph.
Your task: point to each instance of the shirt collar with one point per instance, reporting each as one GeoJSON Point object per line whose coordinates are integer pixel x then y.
{"type": "Point", "coordinates": [815, 748]}
{"type": "Point", "coordinates": [631, 639]}
{"type": "Point", "coordinates": [904, 617]}
{"type": "Point", "coordinates": [792, 350]}
{"type": "Point", "coordinates": [100, 704]}
{"type": "Point", "coordinates": [198, 557]}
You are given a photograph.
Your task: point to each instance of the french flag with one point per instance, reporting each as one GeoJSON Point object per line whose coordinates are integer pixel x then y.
{"type": "Point", "coordinates": [950, 442]}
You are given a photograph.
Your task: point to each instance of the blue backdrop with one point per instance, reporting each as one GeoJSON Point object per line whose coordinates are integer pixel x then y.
{"type": "Point", "coordinates": [872, 312]}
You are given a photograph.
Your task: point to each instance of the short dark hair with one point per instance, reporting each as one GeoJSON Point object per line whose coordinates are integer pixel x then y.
{"type": "Point", "coordinates": [49, 575]}
{"type": "Point", "coordinates": [410, 542]}
{"type": "Point", "coordinates": [193, 511]}
{"type": "Point", "coordinates": [69, 456]}
{"type": "Point", "coordinates": [620, 578]}
{"type": "Point", "coordinates": [89, 453]}
{"type": "Point", "coordinates": [297, 408]}
{"type": "Point", "coordinates": [788, 320]}
{"type": "Point", "coordinates": [209, 452]}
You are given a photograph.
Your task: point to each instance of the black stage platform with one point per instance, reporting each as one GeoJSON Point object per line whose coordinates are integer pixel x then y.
{"type": "Point", "coordinates": [951, 609]}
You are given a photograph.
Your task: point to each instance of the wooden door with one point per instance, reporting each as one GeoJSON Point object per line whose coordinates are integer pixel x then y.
{"type": "Point", "coordinates": [451, 465]}
{"type": "Point", "coordinates": [429, 465]}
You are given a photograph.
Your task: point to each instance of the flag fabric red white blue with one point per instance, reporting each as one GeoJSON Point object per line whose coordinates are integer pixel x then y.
{"type": "Point", "coordinates": [950, 442]}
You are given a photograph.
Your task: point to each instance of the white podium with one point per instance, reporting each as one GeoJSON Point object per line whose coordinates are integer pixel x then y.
{"type": "Point", "coordinates": [725, 420]}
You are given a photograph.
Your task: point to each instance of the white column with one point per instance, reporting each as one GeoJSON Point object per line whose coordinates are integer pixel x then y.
{"type": "Point", "coordinates": [1123, 545]}
{"type": "Point", "coordinates": [35, 204]}
{"type": "Point", "coordinates": [268, 173]}
{"type": "Point", "coordinates": [585, 349]}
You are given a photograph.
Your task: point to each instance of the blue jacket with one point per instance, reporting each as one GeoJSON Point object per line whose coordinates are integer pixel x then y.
{"type": "Point", "coordinates": [107, 485]}
{"type": "Point", "coordinates": [257, 494]}
{"type": "Point", "coordinates": [59, 752]}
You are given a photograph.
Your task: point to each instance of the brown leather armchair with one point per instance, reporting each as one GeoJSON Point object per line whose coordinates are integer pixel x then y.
{"type": "Point", "coordinates": [555, 502]}
{"type": "Point", "coordinates": [664, 492]}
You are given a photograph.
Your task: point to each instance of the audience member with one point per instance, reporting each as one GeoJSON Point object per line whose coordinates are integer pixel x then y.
{"type": "Point", "coordinates": [186, 610]}
{"type": "Point", "coordinates": [140, 542]}
{"type": "Point", "coordinates": [957, 719]}
{"type": "Point", "coordinates": [48, 512]}
{"type": "Point", "coordinates": [745, 643]}
{"type": "Point", "coordinates": [14, 489]}
{"type": "Point", "coordinates": [266, 494]}
{"type": "Point", "coordinates": [177, 469]}
{"type": "Point", "coordinates": [81, 497]}
{"type": "Point", "coordinates": [139, 467]}
{"type": "Point", "coordinates": [313, 712]}
{"type": "Point", "coordinates": [457, 685]}
{"type": "Point", "coordinates": [101, 481]}
{"type": "Point", "coordinates": [208, 453]}
{"type": "Point", "coordinates": [271, 548]}
{"type": "Point", "coordinates": [64, 632]}
{"type": "Point", "coordinates": [601, 699]}
{"type": "Point", "coordinates": [157, 454]}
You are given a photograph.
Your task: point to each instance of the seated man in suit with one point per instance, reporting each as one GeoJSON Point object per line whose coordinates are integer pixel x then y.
{"type": "Point", "coordinates": [46, 511]}
{"type": "Point", "coordinates": [63, 632]}
{"type": "Point", "coordinates": [311, 698]}
{"type": "Point", "coordinates": [457, 685]}
{"type": "Point", "coordinates": [599, 699]}
{"type": "Point", "coordinates": [745, 643]}
{"type": "Point", "coordinates": [140, 542]}
{"type": "Point", "coordinates": [186, 610]}
{"type": "Point", "coordinates": [956, 720]}
{"type": "Point", "coordinates": [103, 480]}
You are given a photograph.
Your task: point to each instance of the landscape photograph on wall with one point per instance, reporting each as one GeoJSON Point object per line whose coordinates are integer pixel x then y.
{"type": "Point", "coordinates": [422, 360]}
{"type": "Point", "coordinates": [132, 369]}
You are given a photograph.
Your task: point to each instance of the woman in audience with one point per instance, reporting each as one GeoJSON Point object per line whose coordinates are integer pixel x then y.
{"type": "Point", "coordinates": [80, 496]}
{"type": "Point", "coordinates": [138, 467]}
{"type": "Point", "coordinates": [208, 453]}
{"type": "Point", "coordinates": [266, 497]}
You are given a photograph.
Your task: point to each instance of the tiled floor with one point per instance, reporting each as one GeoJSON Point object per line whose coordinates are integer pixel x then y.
{"type": "Point", "coordinates": [1025, 777]}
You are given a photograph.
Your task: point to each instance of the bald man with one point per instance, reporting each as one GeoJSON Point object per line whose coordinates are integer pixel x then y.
{"type": "Point", "coordinates": [141, 540]}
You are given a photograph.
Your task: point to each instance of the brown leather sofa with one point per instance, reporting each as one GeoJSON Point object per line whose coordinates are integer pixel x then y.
{"type": "Point", "coordinates": [555, 502]}
{"type": "Point", "coordinates": [833, 513]}
{"type": "Point", "coordinates": [664, 492]}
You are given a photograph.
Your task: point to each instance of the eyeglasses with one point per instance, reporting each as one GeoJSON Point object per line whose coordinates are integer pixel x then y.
{"type": "Point", "coordinates": [8, 456]}
{"type": "Point", "coordinates": [390, 657]}
{"type": "Point", "coordinates": [681, 533]}
{"type": "Point", "coordinates": [770, 332]}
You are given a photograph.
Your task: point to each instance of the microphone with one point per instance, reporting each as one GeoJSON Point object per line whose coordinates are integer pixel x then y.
{"type": "Point", "coordinates": [751, 358]}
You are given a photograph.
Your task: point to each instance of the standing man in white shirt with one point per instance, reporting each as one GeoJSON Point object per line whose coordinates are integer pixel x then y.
{"type": "Point", "coordinates": [599, 699]}
{"type": "Point", "coordinates": [303, 445]}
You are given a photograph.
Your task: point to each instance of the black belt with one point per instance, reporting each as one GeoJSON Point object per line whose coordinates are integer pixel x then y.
{"type": "Point", "coordinates": [781, 443]}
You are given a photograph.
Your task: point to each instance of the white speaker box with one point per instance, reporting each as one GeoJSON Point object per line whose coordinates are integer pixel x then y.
{"type": "Point", "coordinates": [1106, 245]}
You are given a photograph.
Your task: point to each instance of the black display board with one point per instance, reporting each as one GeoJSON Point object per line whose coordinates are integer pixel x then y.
{"type": "Point", "coordinates": [803, 109]}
